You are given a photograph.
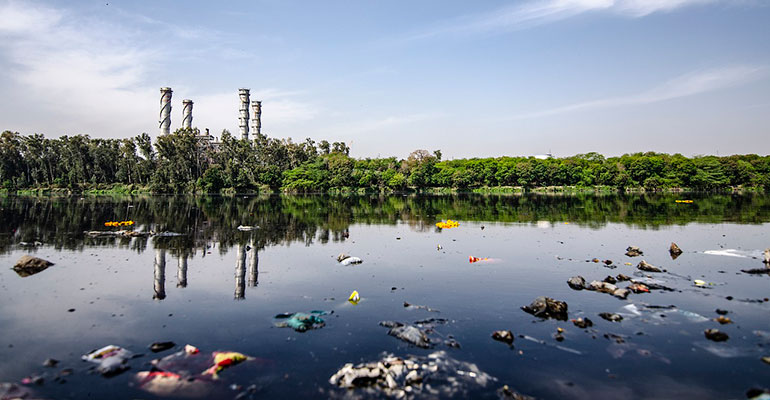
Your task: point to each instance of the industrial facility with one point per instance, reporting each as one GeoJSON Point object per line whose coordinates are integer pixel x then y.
{"type": "Point", "coordinates": [206, 139]}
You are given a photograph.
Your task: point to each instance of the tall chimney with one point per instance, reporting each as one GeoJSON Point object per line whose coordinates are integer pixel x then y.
{"type": "Point", "coordinates": [187, 106]}
{"type": "Point", "coordinates": [243, 120]}
{"type": "Point", "coordinates": [256, 107]}
{"type": "Point", "coordinates": [165, 110]}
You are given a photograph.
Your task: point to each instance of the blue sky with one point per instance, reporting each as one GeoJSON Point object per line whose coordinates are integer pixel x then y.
{"type": "Point", "coordinates": [470, 78]}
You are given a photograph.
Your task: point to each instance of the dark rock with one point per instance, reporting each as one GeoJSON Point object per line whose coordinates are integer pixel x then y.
{"type": "Point", "coordinates": [715, 335]}
{"type": "Point", "coordinates": [607, 262]}
{"type": "Point", "coordinates": [645, 266]}
{"type": "Point", "coordinates": [506, 393]}
{"type": "Point", "coordinates": [621, 293]}
{"type": "Point", "coordinates": [610, 279]}
{"type": "Point", "coordinates": [583, 323]}
{"type": "Point", "coordinates": [622, 277]}
{"type": "Point", "coordinates": [612, 317]}
{"type": "Point", "coordinates": [503, 336]}
{"type": "Point", "coordinates": [577, 282]}
{"type": "Point", "coordinates": [50, 362]}
{"type": "Point", "coordinates": [721, 312]}
{"type": "Point", "coordinates": [603, 287]}
{"type": "Point", "coordinates": [546, 307]}
{"type": "Point", "coordinates": [161, 346]}
{"type": "Point", "coordinates": [29, 265]}
{"type": "Point", "coordinates": [756, 271]}
{"type": "Point", "coordinates": [558, 336]}
{"type": "Point", "coordinates": [633, 251]}
{"type": "Point", "coordinates": [675, 251]}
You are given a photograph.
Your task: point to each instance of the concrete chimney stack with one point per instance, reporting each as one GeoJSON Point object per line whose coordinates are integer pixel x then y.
{"type": "Point", "coordinates": [165, 110]}
{"type": "Point", "coordinates": [256, 107]}
{"type": "Point", "coordinates": [243, 120]}
{"type": "Point", "coordinates": [187, 107]}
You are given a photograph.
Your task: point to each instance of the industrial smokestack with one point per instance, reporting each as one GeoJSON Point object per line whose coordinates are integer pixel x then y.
{"type": "Point", "coordinates": [165, 110]}
{"type": "Point", "coordinates": [243, 120]}
{"type": "Point", "coordinates": [187, 106]}
{"type": "Point", "coordinates": [256, 107]}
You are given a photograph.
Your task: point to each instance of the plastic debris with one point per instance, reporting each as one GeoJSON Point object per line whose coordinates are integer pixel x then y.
{"type": "Point", "coordinates": [118, 223]}
{"type": "Point", "coordinates": [715, 335]}
{"type": "Point", "coordinates": [674, 251]}
{"type": "Point", "coordinates": [723, 320]}
{"type": "Point", "coordinates": [449, 224]}
{"type": "Point", "coordinates": [354, 298]}
{"type": "Point", "coordinates": [301, 322]}
{"type": "Point", "coordinates": [766, 256]}
{"type": "Point", "coordinates": [224, 359]}
{"type": "Point", "coordinates": [171, 384]}
{"type": "Point", "coordinates": [702, 283]}
{"type": "Point", "coordinates": [766, 359]}
{"type": "Point", "coordinates": [434, 376]}
{"type": "Point", "coordinates": [612, 317]}
{"type": "Point", "coordinates": [345, 259]}
{"type": "Point", "coordinates": [684, 201]}
{"type": "Point", "coordinates": [472, 259]}
{"type": "Point", "coordinates": [503, 336]}
{"type": "Point", "coordinates": [408, 333]}
{"type": "Point", "coordinates": [633, 251]}
{"type": "Point", "coordinates": [246, 228]}
{"type": "Point", "coordinates": [638, 288]}
{"type": "Point", "coordinates": [546, 307]}
{"type": "Point", "coordinates": [29, 265]}
{"type": "Point", "coordinates": [111, 359]}
{"type": "Point", "coordinates": [645, 266]}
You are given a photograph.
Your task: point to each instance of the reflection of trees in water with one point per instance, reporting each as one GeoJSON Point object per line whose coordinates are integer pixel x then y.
{"type": "Point", "coordinates": [204, 221]}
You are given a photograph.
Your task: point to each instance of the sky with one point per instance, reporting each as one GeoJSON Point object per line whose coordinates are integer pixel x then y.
{"type": "Point", "coordinates": [472, 79]}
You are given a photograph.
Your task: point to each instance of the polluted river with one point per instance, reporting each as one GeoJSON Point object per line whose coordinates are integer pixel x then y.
{"type": "Point", "coordinates": [405, 296]}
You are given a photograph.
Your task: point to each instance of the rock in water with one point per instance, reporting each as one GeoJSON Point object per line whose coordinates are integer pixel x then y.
{"type": "Point", "coordinates": [28, 265]}
{"type": "Point", "coordinates": [633, 251]}
{"type": "Point", "coordinates": [767, 256]}
{"type": "Point", "coordinates": [577, 282]}
{"type": "Point", "coordinates": [503, 336]}
{"type": "Point", "coordinates": [675, 251]}
{"type": "Point", "coordinates": [611, 317]}
{"type": "Point", "coordinates": [583, 323]}
{"type": "Point", "coordinates": [546, 307]}
{"type": "Point", "coordinates": [645, 266]}
{"type": "Point", "coordinates": [715, 335]}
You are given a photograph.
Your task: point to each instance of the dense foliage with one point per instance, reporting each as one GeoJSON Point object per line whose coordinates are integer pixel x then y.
{"type": "Point", "coordinates": [180, 163]}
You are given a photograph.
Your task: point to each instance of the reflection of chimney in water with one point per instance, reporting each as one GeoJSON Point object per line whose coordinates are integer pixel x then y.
{"type": "Point", "coordinates": [253, 267]}
{"type": "Point", "coordinates": [240, 273]}
{"type": "Point", "coordinates": [181, 271]}
{"type": "Point", "coordinates": [160, 274]}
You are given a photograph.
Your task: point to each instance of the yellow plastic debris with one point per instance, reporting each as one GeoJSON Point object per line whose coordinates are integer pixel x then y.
{"type": "Point", "coordinates": [354, 298]}
{"type": "Point", "coordinates": [448, 224]}
{"type": "Point", "coordinates": [684, 201]}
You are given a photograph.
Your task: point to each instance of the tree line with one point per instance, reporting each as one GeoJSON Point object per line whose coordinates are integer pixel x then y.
{"type": "Point", "coordinates": [182, 163]}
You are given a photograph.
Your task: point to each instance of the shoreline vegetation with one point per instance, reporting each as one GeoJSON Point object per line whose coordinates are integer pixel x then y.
{"type": "Point", "coordinates": [184, 163]}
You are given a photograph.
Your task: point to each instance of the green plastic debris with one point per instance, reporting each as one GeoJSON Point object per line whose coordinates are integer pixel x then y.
{"type": "Point", "coordinates": [301, 322]}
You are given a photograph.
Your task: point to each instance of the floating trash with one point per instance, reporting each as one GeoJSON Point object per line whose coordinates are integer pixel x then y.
{"type": "Point", "coordinates": [118, 223]}
{"type": "Point", "coordinates": [449, 224]}
{"type": "Point", "coordinates": [684, 201]}
{"type": "Point", "coordinates": [354, 298]}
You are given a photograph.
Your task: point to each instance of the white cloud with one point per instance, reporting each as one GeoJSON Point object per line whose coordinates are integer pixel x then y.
{"type": "Point", "coordinates": [539, 12]}
{"type": "Point", "coordinates": [686, 85]}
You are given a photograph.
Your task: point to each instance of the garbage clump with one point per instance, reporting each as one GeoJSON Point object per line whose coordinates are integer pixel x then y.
{"type": "Point", "coordinates": [345, 259]}
{"type": "Point", "coordinates": [633, 251]}
{"type": "Point", "coordinates": [503, 336]}
{"type": "Point", "coordinates": [301, 322]}
{"type": "Point", "coordinates": [645, 266]}
{"type": "Point", "coordinates": [546, 307]}
{"type": "Point", "coordinates": [638, 288]}
{"type": "Point", "coordinates": [583, 323]}
{"type": "Point", "coordinates": [29, 265]}
{"type": "Point", "coordinates": [223, 360]}
{"type": "Point", "coordinates": [118, 223]}
{"type": "Point", "coordinates": [472, 259]}
{"type": "Point", "coordinates": [723, 320]}
{"type": "Point", "coordinates": [715, 335]}
{"type": "Point", "coordinates": [408, 333]}
{"type": "Point", "coordinates": [435, 376]}
{"type": "Point", "coordinates": [449, 224]}
{"type": "Point", "coordinates": [246, 228]}
{"type": "Point", "coordinates": [609, 288]}
{"type": "Point", "coordinates": [675, 251]}
{"type": "Point", "coordinates": [111, 359]}
{"type": "Point", "coordinates": [577, 282]}
{"type": "Point", "coordinates": [612, 317]}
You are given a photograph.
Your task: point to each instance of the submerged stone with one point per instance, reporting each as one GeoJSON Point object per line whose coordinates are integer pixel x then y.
{"type": "Point", "coordinates": [633, 251]}
{"type": "Point", "coordinates": [645, 266]}
{"type": "Point", "coordinates": [29, 265]}
{"type": "Point", "coordinates": [546, 307]}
